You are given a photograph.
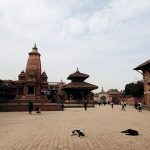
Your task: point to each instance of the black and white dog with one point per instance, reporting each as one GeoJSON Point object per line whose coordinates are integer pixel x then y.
{"type": "Point", "coordinates": [78, 132]}
{"type": "Point", "coordinates": [131, 132]}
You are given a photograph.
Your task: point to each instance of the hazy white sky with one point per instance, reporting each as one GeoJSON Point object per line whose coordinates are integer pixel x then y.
{"type": "Point", "coordinates": [103, 38]}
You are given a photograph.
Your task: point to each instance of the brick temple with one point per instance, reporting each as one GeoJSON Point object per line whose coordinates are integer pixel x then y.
{"type": "Point", "coordinates": [32, 84]}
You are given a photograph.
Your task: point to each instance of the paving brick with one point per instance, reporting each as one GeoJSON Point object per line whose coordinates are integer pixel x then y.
{"type": "Point", "coordinates": [51, 130]}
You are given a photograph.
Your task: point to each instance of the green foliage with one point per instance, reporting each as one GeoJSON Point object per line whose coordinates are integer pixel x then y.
{"type": "Point", "coordinates": [135, 89]}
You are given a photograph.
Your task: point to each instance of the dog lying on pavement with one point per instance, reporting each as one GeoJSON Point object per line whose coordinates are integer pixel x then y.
{"type": "Point", "coordinates": [78, 132]}
{"type": "Point", "coordinates": [131, 132]}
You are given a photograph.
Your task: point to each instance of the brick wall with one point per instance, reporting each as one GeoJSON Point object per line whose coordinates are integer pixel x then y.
{"type": "Point", "coordinates": [24, 107]}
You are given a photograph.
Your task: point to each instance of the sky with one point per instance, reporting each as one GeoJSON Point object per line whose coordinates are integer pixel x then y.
{"type": "Point", "coordinates": [103, 38]}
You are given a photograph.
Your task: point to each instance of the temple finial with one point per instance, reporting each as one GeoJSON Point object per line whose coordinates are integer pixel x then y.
{"type": "Point", "coordinates": [77, 69]}
{"type": "Point", "coordinates": [35, 46]}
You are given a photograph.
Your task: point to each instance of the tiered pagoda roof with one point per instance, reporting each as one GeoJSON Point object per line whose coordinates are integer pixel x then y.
{"type": "Point", "coordinates": [77, 79]}
{"type": "Point", "coordinates": [80, 85]}
{"type": "Point", "coordinates": [78, 76]}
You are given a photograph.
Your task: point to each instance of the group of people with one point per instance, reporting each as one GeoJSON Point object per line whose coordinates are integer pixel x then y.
{"type": "Point", "coordinates": [102, 102]}
{"type": "Point", "coordinates": [123, 105]}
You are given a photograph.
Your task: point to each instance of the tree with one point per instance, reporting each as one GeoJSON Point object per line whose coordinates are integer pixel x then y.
{"type": "Point", "coordinates": [135, 89]}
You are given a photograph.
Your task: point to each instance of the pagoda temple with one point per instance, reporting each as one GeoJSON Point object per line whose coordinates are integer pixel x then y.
{"type": "Point", "coordinates": [32, 84]}
{"type": "Point", "coordinates": [78, 91]}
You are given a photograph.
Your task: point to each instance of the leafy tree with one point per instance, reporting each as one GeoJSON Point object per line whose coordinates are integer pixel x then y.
{"type": "Point", "coordinates": [135, 89]}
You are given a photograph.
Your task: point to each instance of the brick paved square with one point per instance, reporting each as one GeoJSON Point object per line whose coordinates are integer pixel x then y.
{"type": "Point", "coordinates": [51, 130]}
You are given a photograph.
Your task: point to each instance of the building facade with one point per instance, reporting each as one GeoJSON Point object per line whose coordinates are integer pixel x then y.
{"type": "Point", "coordinates": [145, 68]}
{"type": "Point", "coordinates": [106, 97]}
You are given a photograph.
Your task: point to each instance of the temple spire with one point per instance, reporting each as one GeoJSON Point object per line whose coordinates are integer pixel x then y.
{"type": "Point", "coordinates": [77, 69]}
{"type": "Point", "coordinates": [35, 46]}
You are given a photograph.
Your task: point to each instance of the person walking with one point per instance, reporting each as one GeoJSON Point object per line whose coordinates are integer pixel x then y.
{"type": "Point", "coordinates": [136, 105]}
{"type": "Point", "coordinates": [85, 105]}
{"type": "Point", "coordinates": [112, 104]}
{"type": "Point", "coordinates": [140, 106]}
{"type": "Point", "coordinates": [99, 102]}
{"type": "Point", "coordinates": [62, 107]}
{"type": "Point", "coordinates": [104, 102]}
{"type": "Point", "coordinates": [30, 107]}
{"type": "Point", "coordinates": [123, 104]}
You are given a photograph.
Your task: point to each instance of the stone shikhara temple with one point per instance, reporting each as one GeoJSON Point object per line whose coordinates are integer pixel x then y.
{"type": "Point", "coordinates": [32, 85]}
{"type": "Point", "coordinates": [32, 82]}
